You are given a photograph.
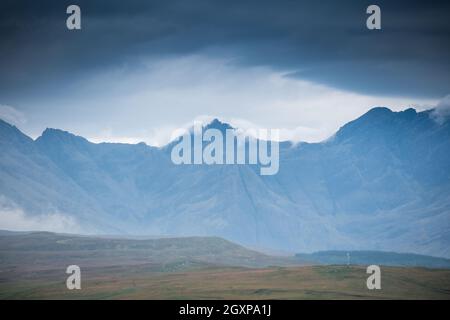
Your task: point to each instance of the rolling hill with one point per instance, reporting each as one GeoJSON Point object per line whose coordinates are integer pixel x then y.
{"type": "Point", "coordinates": [40, 251]}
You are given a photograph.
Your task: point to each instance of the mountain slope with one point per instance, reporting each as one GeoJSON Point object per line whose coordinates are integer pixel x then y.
{"type": "Point", "coordinates": [381, 182]}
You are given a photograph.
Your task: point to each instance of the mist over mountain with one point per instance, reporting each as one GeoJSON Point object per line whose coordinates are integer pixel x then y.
{"type": "Point", "coordinates": [382, 182]}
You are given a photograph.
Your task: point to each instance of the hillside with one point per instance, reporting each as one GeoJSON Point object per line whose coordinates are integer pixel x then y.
{"type": "Point", "coordinates": [39, 251]}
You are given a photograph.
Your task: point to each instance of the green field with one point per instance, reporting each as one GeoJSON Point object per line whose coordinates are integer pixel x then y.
{"type": "Point", "coordinates": [309, 282]}
{"type": "Point", "coordinates": [32, 266]}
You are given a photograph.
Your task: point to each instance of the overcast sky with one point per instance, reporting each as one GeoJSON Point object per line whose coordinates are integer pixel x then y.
{"type": "Point", "coordinates": [138, 70]}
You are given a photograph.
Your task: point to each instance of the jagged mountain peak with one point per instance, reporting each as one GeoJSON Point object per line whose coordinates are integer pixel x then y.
{"type": "Point", "coordinates": [217, 124]}
{"type": "Point", "coordinates": [5, 126]}
{"type": "Point", "coordinates": [11, 133]}
{"type": "Point", "coordinates": [54, 135]}
{"type": "Point", "coordinates": [213, 124]}
{"type": "Point", "coordinates": [380, 121]}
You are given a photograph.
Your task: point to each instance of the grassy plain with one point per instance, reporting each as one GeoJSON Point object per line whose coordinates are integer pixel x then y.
{"type": "Point", "coordinates": [32, 266]}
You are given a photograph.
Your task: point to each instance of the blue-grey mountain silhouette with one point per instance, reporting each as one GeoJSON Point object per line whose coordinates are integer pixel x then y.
{"type": "Point", "coordinates": [382, 182]}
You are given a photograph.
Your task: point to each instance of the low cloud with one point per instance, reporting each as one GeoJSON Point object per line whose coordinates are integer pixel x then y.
{"type": "Point", "coordinates": [15, 219]}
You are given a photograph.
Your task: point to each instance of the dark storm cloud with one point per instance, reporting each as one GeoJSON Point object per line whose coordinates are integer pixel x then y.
{"type": "Point", "coordinates": [322, 41]}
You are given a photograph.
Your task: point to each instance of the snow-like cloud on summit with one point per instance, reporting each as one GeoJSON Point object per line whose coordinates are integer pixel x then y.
{"type": "Point", "coordinates": [442, 110]}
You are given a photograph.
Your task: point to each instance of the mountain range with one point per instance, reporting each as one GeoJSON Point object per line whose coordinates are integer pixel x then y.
{"type": "Point", "coordinates": [382, 182]}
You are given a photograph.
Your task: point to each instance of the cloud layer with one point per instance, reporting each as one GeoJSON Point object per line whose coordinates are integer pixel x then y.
{"type": "Point", "coordinates": [14, 218]}
{"type": "Point", "coordinates": [122, 105]}
{"type": "Point", "coordinates": [326, 42]}
{"type": "Point", "coordinates": [138, 70]}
